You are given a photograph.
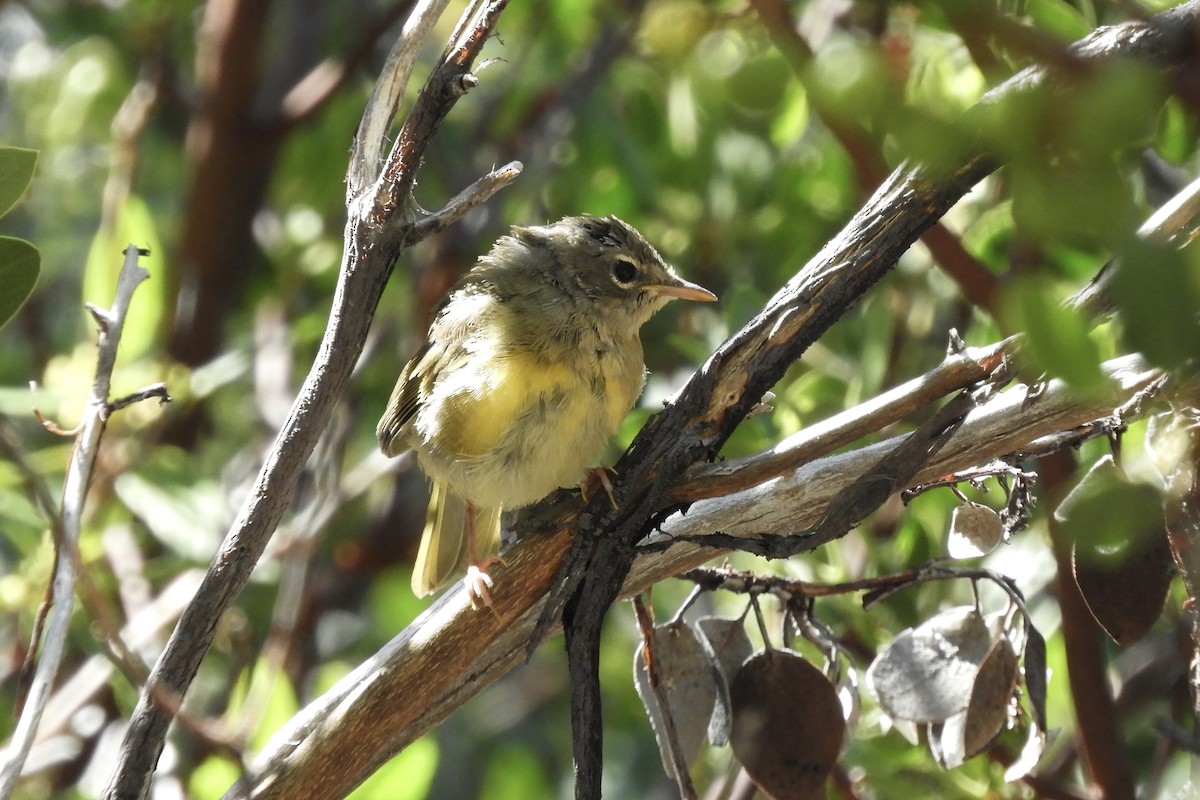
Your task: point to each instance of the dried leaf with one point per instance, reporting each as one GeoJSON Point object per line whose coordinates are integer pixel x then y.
{"type": "Point", "coordinates": [975, 530]}
{"type": "Point", "coordinates": [689, 681]}
{"type": "Point", "coordinates": [1035, 675]}
{"type": "Point", "coordinates": [1121, 559]}
{"type": "Point", "coordinates": [939, 740]}
{"type": "Point", "coordinates": [990, 701]}
{"type": "Point", "coordinates": [927, 673]}
{"type": "Point", "coordinates": [787, 725]}
{"type": "Point", "coordinates": [728, 645]}
{"type": "Point", "coordinates": [969, 733]}
{"type": "Point", "coordinates": [848, 696]}
{"type": "Point", "coordinates": [1125, 590]}
{"type": "Point", "coordinates": [908, 729]}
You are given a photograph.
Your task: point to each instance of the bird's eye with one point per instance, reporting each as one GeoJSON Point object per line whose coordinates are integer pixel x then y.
{"type": "Point", "coordinates": [624, 270]}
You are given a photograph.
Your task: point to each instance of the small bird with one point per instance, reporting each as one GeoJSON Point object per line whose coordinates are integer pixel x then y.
{"type": "Point", "coordinates": [529, 366]}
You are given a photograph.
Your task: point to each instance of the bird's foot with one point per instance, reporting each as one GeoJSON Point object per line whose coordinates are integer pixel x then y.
{"type": "Point", "coordinates": [479, 583]}
{"type": "Point", "coordinates": [598, 475]}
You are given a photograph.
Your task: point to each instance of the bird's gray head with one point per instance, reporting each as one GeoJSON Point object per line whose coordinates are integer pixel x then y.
{"type": "Point", "coordinates": [604, 264]}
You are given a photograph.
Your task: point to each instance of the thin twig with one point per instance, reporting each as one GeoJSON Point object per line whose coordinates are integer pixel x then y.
{"type": "Point", "coordinates": [650, 657]}
{"type": "Point", "coordinates": [79, 473]}
{"type": "Point", "coordinates": [956, 372]}
{"type": "Point", "coordinates": [474, 195]}
{"type": "Point", "coordinates": [48, 423]}
{"type": "Point", "coordinates": [155, 390]}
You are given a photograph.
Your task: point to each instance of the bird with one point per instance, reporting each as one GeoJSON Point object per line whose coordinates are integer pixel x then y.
{"type": "Point", "coordinates": [530, 364]}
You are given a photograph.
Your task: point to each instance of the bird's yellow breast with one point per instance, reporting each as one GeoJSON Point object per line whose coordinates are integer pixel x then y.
{"type": "Point", "coordinates": [514, 425]}
{"type": "Point", "coordinates": [499, 397]}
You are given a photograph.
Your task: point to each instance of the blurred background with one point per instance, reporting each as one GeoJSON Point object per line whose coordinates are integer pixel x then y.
{"type": "Point", "coordinates": [216, 135]}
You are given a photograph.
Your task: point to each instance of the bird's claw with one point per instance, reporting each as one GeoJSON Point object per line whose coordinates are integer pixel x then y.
{"type": "Point", "coordinates": [598, 475]}
{"type": "Point", "coordinates": [479, 584]}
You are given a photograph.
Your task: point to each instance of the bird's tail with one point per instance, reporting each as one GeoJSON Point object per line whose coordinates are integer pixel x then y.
{"type": "Point", "coordinates": [445, 551]}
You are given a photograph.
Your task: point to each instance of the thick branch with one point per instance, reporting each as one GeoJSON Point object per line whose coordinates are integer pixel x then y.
{"type": "Point", "coordinates": [230, 157]}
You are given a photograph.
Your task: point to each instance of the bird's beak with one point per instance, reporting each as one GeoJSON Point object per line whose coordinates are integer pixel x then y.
{"type": "Point", "coordinates": [682, 290]}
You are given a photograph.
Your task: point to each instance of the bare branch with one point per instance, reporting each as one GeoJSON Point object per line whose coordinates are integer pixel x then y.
{"type": "Point", "coordinates": [367, 153]}
{"type": "Point", "coordinates": [79, 473]}
{"type": "Point", "coordinates": [474, 195]}
{"type": "Point", "coordinates": [958, 371]}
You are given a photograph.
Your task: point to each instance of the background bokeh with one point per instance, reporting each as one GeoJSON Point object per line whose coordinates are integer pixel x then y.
{"type": "Point", "coordinates": [685, 118]}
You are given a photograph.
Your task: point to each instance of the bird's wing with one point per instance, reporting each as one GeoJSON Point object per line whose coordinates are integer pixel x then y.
{"type": "Point", "coordinates": [442, 352]}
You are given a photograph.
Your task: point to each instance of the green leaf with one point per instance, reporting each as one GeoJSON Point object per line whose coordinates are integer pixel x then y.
{"type": "Point", "coordinates": [212, 778]}
{"type": "Point", "coordinates": [1114, 110]}
{"type": "Point", "coordinates": [16, 172]}
{"type": "Point", "coordinates": [20, 263]}
{"type": "Point", "coordinates": [1058, 340]}
{"type": "Point", "coordinates": [407, 776]}
{"type": "Point", "coordinates": [1086, 200]}
{"type": "Point", "coordinates": [1108, 513]}
{"type": "Point", "coordinates": [135, 225]}
{"type": "Point", "coordinates": [1177, 132]}
{"type": "Point", "coordinates": [1058, 18]}
{"type": "Point", "coordinates": [1157, 290]}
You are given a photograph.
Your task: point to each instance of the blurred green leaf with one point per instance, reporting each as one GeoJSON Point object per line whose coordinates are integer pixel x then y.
{"type": "Point", "coordinates": [184, 512]}
{"type": "Point", "coordinates": [1058, 18]}
{"type": "Point", "coordinates": [854, 81]}
{"type": "Point", "coordinates": [135, 225]}
{"type": "Point", "coordinates": [408, 776]}
{"type": "Point", "coordinates": [761, 83]}
{"type": "Point", "coordinates": [1057, 340]}
{"type": "Point", "coordinates": [990, 235]}
{"type": "Point", "coordinates": [16, 173]}
{"type": "Point", "coordinates": [670, 28]}
{"type": "Point", "coordinates": [20, 264]}
{"type": "Point", "coordinates": [927, 137]}
{"type": "Point", "coordinates": [1108, 515]}
{"type": "Point", "coordinates": [1083, 200]}
{"type": "Point", "coordinates": [212, 778]}
{"type": "Point", "coordinates": [1157, 291]}
{"type": "Point", "coordinates": [1116, 108]}
{"type": "Point", "coordinates": [791, 117]}
{"type": "Point", "coordinates": [515, 773]}
{"type": "Point", "coordinates": [1177, 131]}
